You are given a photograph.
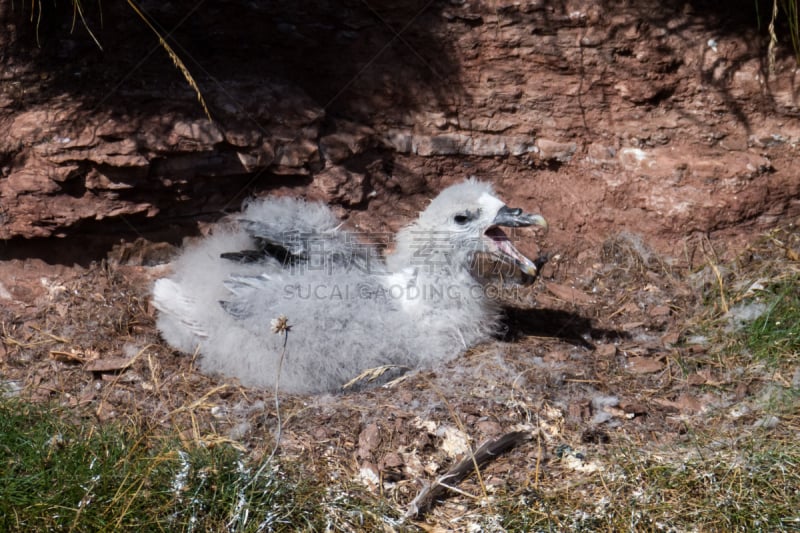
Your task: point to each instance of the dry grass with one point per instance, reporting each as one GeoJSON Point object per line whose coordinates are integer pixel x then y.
{"type": "Point", "coordinates": [39, 10]}
{"type": "Point", "coordinates": [705, 441]}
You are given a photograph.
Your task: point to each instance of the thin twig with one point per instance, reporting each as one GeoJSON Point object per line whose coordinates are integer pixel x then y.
{"type": "Point", "coordinates": [472, 463]}
{"type": "Point", "coordinates": [277, 400]}
{"type": "Point", "coordinates": [279, 325]}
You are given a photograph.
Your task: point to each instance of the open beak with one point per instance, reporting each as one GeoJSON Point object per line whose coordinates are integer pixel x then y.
{"type": "Point", "coordinates": [513, 218]}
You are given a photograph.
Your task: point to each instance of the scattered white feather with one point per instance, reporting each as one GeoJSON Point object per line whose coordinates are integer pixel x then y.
{"type": "Point", "coordinates": [600, 402]}
{"type": "Point", "coordinates": [742, 314]}
{"type": "Point", "coordinates": [348, 309]}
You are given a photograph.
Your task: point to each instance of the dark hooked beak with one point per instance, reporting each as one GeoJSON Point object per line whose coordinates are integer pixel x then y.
{"type": "Point", "coordinates": [513, 217]}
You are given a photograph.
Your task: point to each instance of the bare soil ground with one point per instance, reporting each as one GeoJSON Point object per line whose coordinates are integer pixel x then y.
{"type": "Point", "coordinates": [613, 355]}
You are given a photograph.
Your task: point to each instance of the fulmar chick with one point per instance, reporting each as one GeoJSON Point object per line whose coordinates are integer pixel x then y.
{"type": "Point", "coordinates": [350, 310]}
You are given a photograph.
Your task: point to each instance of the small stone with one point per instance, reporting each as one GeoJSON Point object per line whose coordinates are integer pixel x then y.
{"type": "Point", "coordinates": [644, 365]}
{"type": "Point", "coordinates": [368, 440]}
{"type": "Point", "coordinates": [392, 460]}
{"type": "Point", "coordinates": [489, 428]}
{"type": "Point", "coordinates": [768, 422]}
{"type": "Point", "coordinates": [660, 310]}
{"type": "Point", "coordinates": [605, 350]}
{"type": "Point", "coordinates": [555, 151]}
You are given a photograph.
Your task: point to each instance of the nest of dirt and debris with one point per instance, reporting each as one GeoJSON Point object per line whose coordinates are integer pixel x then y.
{"type": "Point", "coordinates": [602, 359]}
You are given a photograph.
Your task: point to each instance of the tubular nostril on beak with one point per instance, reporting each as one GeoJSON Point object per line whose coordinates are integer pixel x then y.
{"type": "Point", "coordinates": [510, 211]}
{"type": "Point", "coordinates": [514, 217]}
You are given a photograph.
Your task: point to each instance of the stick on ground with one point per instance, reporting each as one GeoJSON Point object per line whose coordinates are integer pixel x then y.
{"type": "Point", "coordinates": [490, 450]}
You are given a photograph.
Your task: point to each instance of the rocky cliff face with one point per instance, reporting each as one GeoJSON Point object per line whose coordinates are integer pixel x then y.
{"type": "Point", "coordinates": [658, 118]}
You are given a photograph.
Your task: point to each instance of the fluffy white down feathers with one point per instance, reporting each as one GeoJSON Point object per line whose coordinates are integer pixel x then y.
{"type": "Point", "coordinates": [349, 309]}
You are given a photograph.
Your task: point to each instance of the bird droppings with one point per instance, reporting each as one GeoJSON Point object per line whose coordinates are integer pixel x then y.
{"type": "Point", "coordinates": [454, 442]}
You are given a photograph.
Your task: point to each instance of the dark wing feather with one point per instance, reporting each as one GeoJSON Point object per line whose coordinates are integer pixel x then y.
{"type": "Point", "coordinates": [265, 250]}
{"type": "Point", "coordinates": [286, 247]}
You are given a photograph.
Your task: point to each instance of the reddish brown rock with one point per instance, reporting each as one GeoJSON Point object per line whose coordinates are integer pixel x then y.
{"type": "Point", "coordinates": [650, 132]}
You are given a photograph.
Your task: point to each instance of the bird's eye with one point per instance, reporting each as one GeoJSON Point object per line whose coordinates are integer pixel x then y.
{"type": "Point", "coordinates": [466, 216]}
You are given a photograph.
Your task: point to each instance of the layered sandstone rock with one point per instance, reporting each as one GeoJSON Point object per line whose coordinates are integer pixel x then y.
{"type": "Point", "coordinates": [660, 119]}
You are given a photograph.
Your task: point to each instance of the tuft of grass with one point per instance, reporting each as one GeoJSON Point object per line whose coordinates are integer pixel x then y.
{"type": "Point", "coordinates": [63, 474]}
{"type": "Point", "coordinates": [774, 337]}
{"type": "Point", "coordinates": [787, 10]}
{"type": "Point", "coordinates": [792, 14]}
{"type": "Point", "coordinates": [721, 471]}
{"type": "Point", "coordinates": [176, 60]}
{"type": "Point", "coordinates": [748, 482]}
{"type": "Point", "coordinates": [38, 10]}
